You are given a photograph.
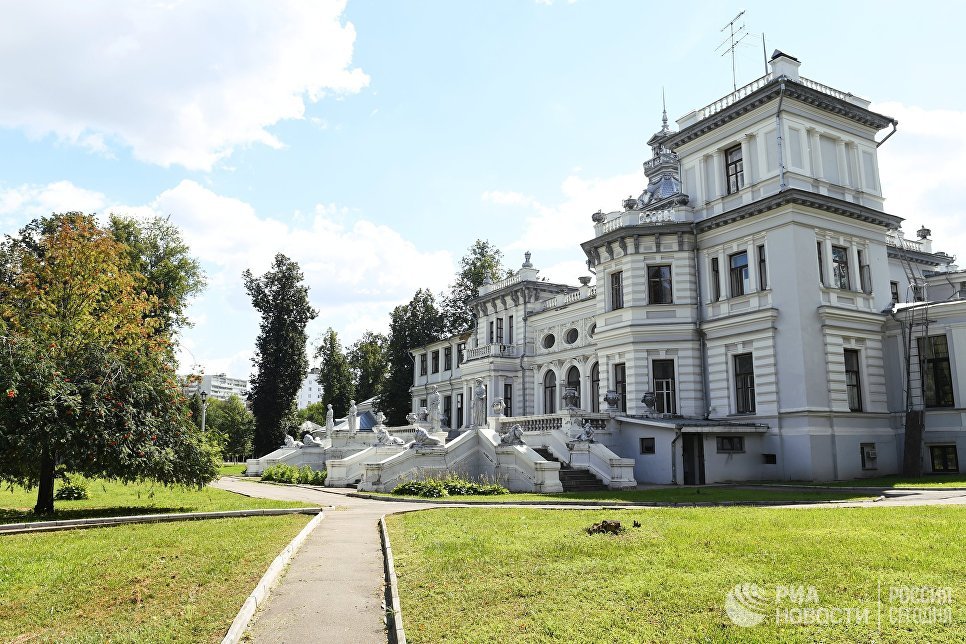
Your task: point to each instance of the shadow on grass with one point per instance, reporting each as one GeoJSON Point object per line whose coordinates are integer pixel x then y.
{"type": "Point", "coordinates": [18, 515]}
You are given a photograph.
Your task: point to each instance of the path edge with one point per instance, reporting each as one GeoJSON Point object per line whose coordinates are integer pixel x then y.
{"type": "Point", "coordinates": [240, 624]}
{"type": "Point", "coordinates": [394, 619]}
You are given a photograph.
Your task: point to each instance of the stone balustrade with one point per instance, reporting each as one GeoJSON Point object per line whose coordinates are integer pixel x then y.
{"type": "Point", "coordinates": [491, 351]}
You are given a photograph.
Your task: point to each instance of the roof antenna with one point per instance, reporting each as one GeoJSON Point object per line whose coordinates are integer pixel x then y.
{"type": "Point", "coordinates": [742, 33]}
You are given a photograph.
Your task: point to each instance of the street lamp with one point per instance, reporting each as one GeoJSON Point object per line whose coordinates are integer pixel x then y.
{"type": "Point", "coordinates": [204, 408]}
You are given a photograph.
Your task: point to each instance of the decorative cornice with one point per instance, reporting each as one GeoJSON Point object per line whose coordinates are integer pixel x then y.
{"type": "Point", "coordinates": [798, 197]}
{"type": "Point", "coordinates": [770, 92]}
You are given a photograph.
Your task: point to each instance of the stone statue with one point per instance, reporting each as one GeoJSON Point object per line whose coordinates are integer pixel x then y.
{"type": "Point", "coordinates": [309, 441]}
{"type": "Point", "coordinates": [383, 437]}
{"type": "Point", "coordinates": [291, 442]}
{"type": "Point", "coordinates": [380, 420]}
{"type": "Point", "coordinates": [513, 437]}
{"type": "Point", "coordinates": [353, 417]}
{"type": "Point", "coordinates": [329, 419]}
{"type": "Point", "coordinates": [479, 403]}
{"type": "Point", "coordinates": [412, 418]}
{"type": "Point", "coordinates": [435, 409]}
{"type": "Point", "coordinates": [423, 439]}
{"type": "Point", "coordinates": [587, 435]}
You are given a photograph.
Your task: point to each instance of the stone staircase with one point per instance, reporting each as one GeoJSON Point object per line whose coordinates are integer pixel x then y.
{"type": "Point", "coordinates": [572, 480]}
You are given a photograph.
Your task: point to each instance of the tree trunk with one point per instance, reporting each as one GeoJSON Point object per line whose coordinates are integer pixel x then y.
{"type": "Point", "coordinates": [45, 492]}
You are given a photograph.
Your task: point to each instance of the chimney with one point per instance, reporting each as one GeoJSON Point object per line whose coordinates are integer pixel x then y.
{"type": "Point", "coordinates": [783, 64]}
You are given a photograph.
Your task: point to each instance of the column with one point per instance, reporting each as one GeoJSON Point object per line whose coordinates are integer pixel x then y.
{"type": "Point", "coordinates": [705, 194]}
{"type": "Point", "coordinates": [719, 174]}
{"type": "Point", "coordinates": [585, 402]}
{"type": "Point", "coordinates": [537, 392]}
{"type": "Point", "coordinates": [844, 169]}
{"type": "Point", "coordinates": [467, 404]}
{"type": "Point", "coordinates": [815, 154]}
{"type": "Point", "coordinates": [745, 161]}
{"type": "Point", "coordinates": [858, 182]}
{"type": "Point", "coordinates": [724, 270]}
{"type": "Point", "coordinates": [855, 277]}
{"type": "Point", "coordinates": [752, 267]}
{"type": "Point", "coordinates": [829, 277]}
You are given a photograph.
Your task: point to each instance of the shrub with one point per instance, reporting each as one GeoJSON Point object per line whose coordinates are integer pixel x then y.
{"type": "Point", "coordinates": [449, 485]}
{"type": "Point", "coordinates": [304, 475]}
{"type": "Point", "coordinates": [75, 490]}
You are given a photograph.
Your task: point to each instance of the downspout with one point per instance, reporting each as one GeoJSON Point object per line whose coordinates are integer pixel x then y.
{"type": "Point", "coordinates": [895, 124]}
{"type": "Point", "coordinates": [674, 459]}
{"type": "Point", "coordinates": [702, 343]}
{"type": "Point", "coordinates": [780, 130]}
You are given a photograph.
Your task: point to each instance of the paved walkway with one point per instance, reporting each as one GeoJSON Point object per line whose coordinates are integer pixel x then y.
{"type": "Point", "coordinates": [334, 587]}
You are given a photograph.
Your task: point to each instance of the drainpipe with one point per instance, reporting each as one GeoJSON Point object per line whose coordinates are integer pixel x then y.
{"type": "Point", "coordinates": [702, 343]}
{"type": "Point", "coordinates": [895, 124]}
{"type": "Point", "coordinates": [780, 131]}
{"type": "Point", "coordinates": [674, 460]}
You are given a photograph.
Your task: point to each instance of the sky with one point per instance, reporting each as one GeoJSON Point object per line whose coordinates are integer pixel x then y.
{"type": "Point", "coordinates": [374, 141]}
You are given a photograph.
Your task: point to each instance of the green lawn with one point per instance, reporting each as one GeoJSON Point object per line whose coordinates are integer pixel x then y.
{"type": "Point", "coordinates": [231, 469]}
{"type": "Point", "coordinates": [935, 481]}
{"type": "Point", "coordinates": [109, 498]}
{"type": "Point", "coordinates": [529, 575]}
{"type": "Point", "coordinates": [668, 495]}
{"type": "Point", "coordinates": [171, 582]}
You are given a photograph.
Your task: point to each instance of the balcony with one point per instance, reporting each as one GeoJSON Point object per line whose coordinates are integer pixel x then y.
{"type": "Point", "coordinates": [492, 351]}
{"type": "Point", "coordinates": [668, 216]}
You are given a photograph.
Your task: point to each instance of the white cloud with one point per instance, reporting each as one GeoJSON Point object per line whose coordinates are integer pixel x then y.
{"type": "Point", "coordinates": [566, 223]}
{"type": "Point", "coordinates": [921, 170]}
{"type": "Point", "coordinates": [178, 82]}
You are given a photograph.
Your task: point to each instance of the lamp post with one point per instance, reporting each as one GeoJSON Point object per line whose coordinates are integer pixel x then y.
{"type": "Point", "coordinates": [204, 409]}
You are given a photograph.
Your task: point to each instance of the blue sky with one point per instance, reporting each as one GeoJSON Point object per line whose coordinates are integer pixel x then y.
{"type": "Point", "coordinates": [374, 141]}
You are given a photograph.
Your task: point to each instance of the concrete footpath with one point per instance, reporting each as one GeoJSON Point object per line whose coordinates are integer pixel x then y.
{"type": "Point", "coordinates": [335, 585]}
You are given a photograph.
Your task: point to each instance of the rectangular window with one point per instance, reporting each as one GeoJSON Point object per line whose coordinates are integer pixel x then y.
{"type": "Point", "coordinates": [460, 350]}
{"type": "Point", "coordinates": [853, 383]}
{"type": "Point", "coordinates": [869, 456]}
{"type": "Point", "coordinates": [715, 280]}
{"type": "Point", "coordinates": [744, 384]}
{"type": "Point", "coordinates": [499, 330]}
{"type": "Point", "coordinates": [507, 399]}
{"type": "Point", "coordinates": [894, 289]}
{"type": "Point", "coordinates": [865, 273]}
{"type": "Point", "coordinates": [762, 269]}
{"type": "Point", "coordinates": [422, 404]}
{"type": "Point", "coordinates": [447, 410]}
{"type": "Point", "coordinates": [422, 364]}
{"type": "Point", "coordinates": [769, 459]}
{"type": "Point", "coordinates": [447, 358]}
{"type": "Point", "coordinates": [509, 330]}
{"type": "Point", "coordinates": [489, 335]}
{"type": "Point", "coordinates": [821, 264]}
{"type": "Point", "coordinates": [944, 458]}
{"type": "Point", "coordinates": [617, 290]}
{"type": "Point", "coordinates": [937, 380]}
{"type": "Point", "coordinates": [647, 445]}
{"type": "Point", "coordinates": [459, 411]}
{"type": "Point", "coordinates": [735, 169]}
{"type": "Point", "coordinates": [840, 268]}
{"type": "Point", "coordinates": [436, 361]}
{"type": "Point", "coordinates": [739, 274]}
{"type": "Point", "coordinates": [659, 285]}
{"type": "Point", "coordinates": [730, 444]}
{"type": "Point", "coordinates": [665, 400]}
{"type": "Point", "coordinates": [620, 385]}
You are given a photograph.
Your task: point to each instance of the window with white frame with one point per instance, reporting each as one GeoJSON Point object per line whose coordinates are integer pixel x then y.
{"type": "Point", "coordinates": [744, 384]}
{"type": "Point", "coordinates": [665, 400]}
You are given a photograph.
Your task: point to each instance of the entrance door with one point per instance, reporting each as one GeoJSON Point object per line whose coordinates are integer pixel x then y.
{"type": "Point", "coordinates": [693, 453]}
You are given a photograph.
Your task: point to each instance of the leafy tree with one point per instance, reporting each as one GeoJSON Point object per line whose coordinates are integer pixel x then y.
{"type": "Point", "coordinates": [314, 412]}
{"type": "Point", "coordinates": [335, 378]}
{"type": "Point", "coordinates": [280, 361]}
{"type": "Point", "coordinates": [194, 406]}
{"type": "Point", "coordinates": [86, 381]}
{"type": "Point", "coordinates": [232, 421]}
{"type": "Point", "coordinates": [411, 325]}
{"type": "Point", "coordinates": [367, 360]}
{"type": "Point", "coordinates": [481, 260]}
{"type": "Point", "coordinates": [157, 251]}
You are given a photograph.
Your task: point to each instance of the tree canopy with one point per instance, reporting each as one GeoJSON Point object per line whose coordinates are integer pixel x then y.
{"type": "Point", "coordinates": [482, 260]}
{"type": "Point", "coordinates": [280, 361]}
{"type": "Point", "coordinates": [86, 376]}
{"type": "Point", "coordinates": [367, 361]}
{"type": "Point", "coordinates": [335, 378]}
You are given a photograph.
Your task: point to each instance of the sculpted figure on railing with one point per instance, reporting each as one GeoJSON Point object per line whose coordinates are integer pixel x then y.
{"type": "Point", "coordinates": [291, 442]}
{"type": "Point", "coordinates": [435, 409]}
{"type": "Point", "coordinates": [586, 435]}
{"type": "Point", "coordinates": [353, 417]}
{"type": "Point", "coordinates": [479, 403]}
{"type": "Point", "coordinates": [309, 441]}
{"type": "Point", "coordinates": [513, 437]}
{"type": "Point", "coordinates": [423, 439]}
{"type": "Point", "coordinates": [383, 437]}
{"type": "Point", "coordinates": [329, 418]}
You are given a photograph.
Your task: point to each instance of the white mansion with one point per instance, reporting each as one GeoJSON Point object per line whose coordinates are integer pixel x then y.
{"type": "Point", "coordinates": [755, 314]}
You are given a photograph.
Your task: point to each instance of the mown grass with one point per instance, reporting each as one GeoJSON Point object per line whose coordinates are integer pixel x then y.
{"type": "Point", "coordinates": [529, 575]}
{"type": "Point", "coordinates": [935, 481]}
{"type": "Point", "coordinates": [232, 469]}
{"type": "Point", "coordinates": [667, 495]}
{"type": "Point", "coordinates": [171, 582]}
{"type": "Point", "coordinates": [110, 498]}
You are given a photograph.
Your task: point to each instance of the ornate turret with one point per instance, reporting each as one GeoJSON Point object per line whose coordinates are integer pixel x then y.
{"type": "Point", "coordinates": [662, 169]}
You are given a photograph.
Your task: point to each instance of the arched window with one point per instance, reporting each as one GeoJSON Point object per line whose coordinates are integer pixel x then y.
{"type": "Point", "coordinates": [573, 380]}
{"type": "Point", "coordinates": [550, 393]}
{"type": "Point", "coordinates": [595, 387]}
